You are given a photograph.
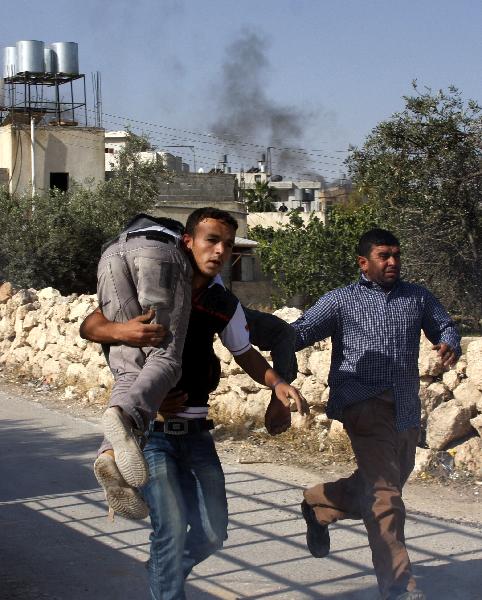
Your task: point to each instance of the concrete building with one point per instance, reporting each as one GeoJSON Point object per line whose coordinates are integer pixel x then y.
{"type": "Point", "coordinates": [305, 196]}
{"type": "Point", "coordinates": [187, 191]}
{"type": "Point", "coordinates": [115, 141]}
{"type": "Point", "coordinates": [62, 155]}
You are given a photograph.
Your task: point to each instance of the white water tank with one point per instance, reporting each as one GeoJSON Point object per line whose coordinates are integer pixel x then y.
{"type": "Point", "coordinates": [30, 56]}
{"type": "Point", "coordinates": [50, 61]}
{"type": "Point", "coordinates": [67, 57]}
{"type": "Point", "coordinates": [9, 61]}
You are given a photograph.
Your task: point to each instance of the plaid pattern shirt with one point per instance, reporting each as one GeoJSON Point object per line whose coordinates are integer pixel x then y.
{"type": "Point", "coordinates": [375, 342]}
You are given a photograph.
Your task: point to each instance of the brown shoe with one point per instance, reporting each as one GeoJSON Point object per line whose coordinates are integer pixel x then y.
{"type": "Point", "coordinates": [317, 535]}
{"type": "Point", "coordinates": [121, 497]}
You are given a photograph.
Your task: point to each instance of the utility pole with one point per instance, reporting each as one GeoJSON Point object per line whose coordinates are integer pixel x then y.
{"type": "Point", "coordinates": [268, 161]}
{"type": "Point", "coordinates": [32, 152]}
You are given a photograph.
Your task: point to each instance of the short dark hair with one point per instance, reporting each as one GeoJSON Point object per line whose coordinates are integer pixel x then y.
{"type": "Point", "coordinates": [375, 237]}
{"type": "Point", "coordinates": [208, 212]}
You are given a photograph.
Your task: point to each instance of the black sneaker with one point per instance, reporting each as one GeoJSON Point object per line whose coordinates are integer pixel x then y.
{"type": "Point", "coordinates": [317, 535]}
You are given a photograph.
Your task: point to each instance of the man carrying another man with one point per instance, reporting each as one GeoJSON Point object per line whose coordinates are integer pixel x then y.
{"type": "Point", "coordinates": [185, 488]}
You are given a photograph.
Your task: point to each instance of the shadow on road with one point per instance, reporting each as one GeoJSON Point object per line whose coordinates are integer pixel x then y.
{"type": "Point", "coordinates": [37, 460]}
{"type": "Point", "coordinates": [267, 539]}
{"type": "Point", "coordinates": [56, 542]}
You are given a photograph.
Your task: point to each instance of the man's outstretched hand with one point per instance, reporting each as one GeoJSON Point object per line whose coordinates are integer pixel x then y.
{"type": "Point", "coordinates": [447, 356]}
{"type": "Point", "coordinates": [278, 414]}
{"type": "Point", "coordinates": [286, 392]}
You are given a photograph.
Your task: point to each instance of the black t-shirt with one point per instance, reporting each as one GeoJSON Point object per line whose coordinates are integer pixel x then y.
{"type": "Point", "coordinates": [214, 310]}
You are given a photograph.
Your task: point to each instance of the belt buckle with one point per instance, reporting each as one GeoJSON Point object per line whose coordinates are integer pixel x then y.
{"type": "Point", "coordinates": [176, 426]}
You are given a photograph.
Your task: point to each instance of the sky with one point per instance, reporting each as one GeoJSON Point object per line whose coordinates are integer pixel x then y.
{"type": "Point", "coordinates": [307, 78]}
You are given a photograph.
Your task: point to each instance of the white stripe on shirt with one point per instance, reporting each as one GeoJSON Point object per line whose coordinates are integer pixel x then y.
{"type": "Point", "coordinates": [193, 412]}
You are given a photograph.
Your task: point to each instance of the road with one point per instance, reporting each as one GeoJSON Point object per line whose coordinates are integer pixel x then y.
{"type": "Point", "coordinates": [56, 542]}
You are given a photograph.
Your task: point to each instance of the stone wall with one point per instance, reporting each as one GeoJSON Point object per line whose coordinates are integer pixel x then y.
{"type": "Point", "coordinates": [39, 338]}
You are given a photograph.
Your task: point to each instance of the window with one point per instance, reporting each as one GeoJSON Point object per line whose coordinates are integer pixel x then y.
{"type": "Point", "coordinates": [243, 267]}
{"type": "Point", "coordinates": [59, 181]}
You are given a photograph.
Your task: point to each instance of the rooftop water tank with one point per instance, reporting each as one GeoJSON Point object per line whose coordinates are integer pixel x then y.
{"type": "Point", "coordinates": [30, 56]}
{"type": "Point", "coordinates": [9, 61]}
{"type": "Point", "coordinates": [50, 61]}
{"type": "Point", "coordinates": [67, 57]}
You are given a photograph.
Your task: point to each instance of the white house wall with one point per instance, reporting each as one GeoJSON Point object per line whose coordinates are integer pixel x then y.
{"type": "Point", "coordinates": [6, 149]}
{"type": "Point", "coordinates": [78, 151]}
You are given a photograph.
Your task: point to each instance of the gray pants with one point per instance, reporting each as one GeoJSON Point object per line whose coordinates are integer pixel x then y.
{"type": "Point", "coordinates": [134, 275]}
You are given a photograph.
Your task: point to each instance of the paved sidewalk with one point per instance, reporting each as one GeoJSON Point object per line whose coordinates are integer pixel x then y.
{"type": "Point", "coordinates": [57, 544]}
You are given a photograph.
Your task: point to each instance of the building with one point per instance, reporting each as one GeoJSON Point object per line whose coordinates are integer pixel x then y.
{"type": "Point", "coordinates": [115, 141]}
{"type": "Point", "coordinates": [184, 191]}
{"type": "Point", "coordinates": [42, 102]}
{"type": "Point", "coordinates": [302, 195]}
{"type": "Point", "coordinates": [62, 155]}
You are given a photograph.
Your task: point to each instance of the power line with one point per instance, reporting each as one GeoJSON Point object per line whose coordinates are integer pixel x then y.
{"type": "Point", "coordinates": [226, 141]}
{"type": "Point", "coordinates": [247, 157]}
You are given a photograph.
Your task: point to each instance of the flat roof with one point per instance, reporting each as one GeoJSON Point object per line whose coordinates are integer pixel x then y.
{"type": "Point", "coordinates": [245, 243]}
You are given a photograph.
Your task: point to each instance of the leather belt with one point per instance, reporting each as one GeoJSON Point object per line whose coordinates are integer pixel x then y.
{"type": "Point", "coordinates": [161, 236]}
{"type": "Point", "coordinates": [180, 426]}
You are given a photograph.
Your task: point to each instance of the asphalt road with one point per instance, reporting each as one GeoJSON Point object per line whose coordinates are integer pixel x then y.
{"type": "Point", "coordinates": [56, 542]}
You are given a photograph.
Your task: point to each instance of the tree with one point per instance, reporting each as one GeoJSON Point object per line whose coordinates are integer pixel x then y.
{"type": "Point", "coordinates": [423, 169]}
{"type": "Point", "coordinates": [133, 185]}
{"type": "Point", "coordinates": [261, 198]}
{"type": "Point", "coordinates": [309, 260]}
{"type": "Point", "coordinates": [59, 243]}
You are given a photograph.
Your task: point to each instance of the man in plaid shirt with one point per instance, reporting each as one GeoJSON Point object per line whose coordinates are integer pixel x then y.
{"type": "Point", "coordinates": [375, 327]}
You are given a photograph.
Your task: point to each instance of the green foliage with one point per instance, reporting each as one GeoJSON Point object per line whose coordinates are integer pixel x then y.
{"type": "Point", "coordinates": [261, 198]}
{"type": "Point", "coordinates": [312, 259]}
{"type": "Point", "coordinates": [422, 168]}
{"type": "Point", "coordinates": [133, 186]}
{"type": "Point", "coordinates": [55, 239]}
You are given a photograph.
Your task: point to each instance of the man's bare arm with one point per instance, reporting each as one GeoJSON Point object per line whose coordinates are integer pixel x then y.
{"type": "Point", "coordinates": [135, 332]}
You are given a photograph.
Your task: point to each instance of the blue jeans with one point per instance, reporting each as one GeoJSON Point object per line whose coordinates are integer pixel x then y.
{"type": "Point", "coordinates": [188, 508]}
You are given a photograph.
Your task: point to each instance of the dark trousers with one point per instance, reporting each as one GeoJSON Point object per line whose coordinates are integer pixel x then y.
{"type": "Point", "coordinates": [385, 459]}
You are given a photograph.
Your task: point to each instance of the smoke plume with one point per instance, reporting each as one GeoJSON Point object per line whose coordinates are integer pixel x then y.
{"type": "Point", "coordinates": [247, 114]}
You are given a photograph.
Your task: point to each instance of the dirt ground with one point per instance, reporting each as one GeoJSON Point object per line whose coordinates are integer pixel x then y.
{"type": "Point", "coordinates": [453, 496]}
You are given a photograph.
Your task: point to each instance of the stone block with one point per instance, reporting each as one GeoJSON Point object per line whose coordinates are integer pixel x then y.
{"type": "Point", "coordinates": [474, 363]}
{"type": "Point", "coordinates": [319, 363]}
{"type": "Point", "coordinates": [447, 423]}
{"type": "Point", "coordinates": [469, 395]}
{"type": "Point", "coordinates": [468, 456]}
{"type": "Point", "coordinates": [476, 423]}
{"type": "Point", "coordinates": [312, 389]}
